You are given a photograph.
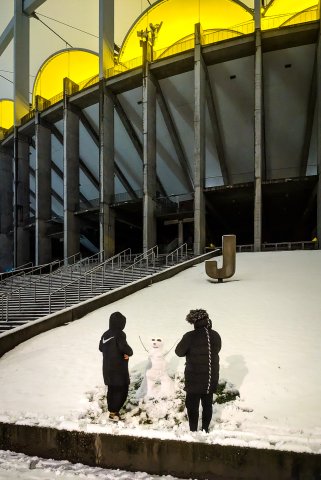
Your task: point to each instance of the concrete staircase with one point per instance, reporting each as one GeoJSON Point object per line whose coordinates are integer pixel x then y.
{"type": "Point", "coordinates": [35, 296]}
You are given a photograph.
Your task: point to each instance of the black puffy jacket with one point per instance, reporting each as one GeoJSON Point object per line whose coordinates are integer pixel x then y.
{"type": "Point", "coordinates": [113, 345]}
{"type": "Point", "coordinates": [201, 347]}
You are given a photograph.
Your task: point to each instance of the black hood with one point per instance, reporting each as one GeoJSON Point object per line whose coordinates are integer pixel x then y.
{"type": "Point", "coordinates": [117, 321]}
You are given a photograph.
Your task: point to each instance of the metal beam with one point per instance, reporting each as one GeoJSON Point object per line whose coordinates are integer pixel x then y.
{"type": "Point", "coordinates": [55, 195]}
{"type": "Point", "coordinates": [173, 132]}
{"type": "Point", "coordinates": [6, 36]}
{"type": "Point", "coordinates": [127, 124]}
{"type": "Point", "coordinates": [59, 136]}
{"type": "Point", "coordinates": [132, 134]}
{"type": "Point", "coordinates": [21, 67]}
{"type": "Point", "coordinates": [29, 6]}
{"type": "Point", "coordinates": [91, 130]}
{"type": "Point", "coordinates": [309, 121]}
{"type": "Point", "coordinates": [211, 104]}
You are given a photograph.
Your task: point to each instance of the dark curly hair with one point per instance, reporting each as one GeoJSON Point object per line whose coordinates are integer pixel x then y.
{"type": "Point", "coordinates": [195, 315]}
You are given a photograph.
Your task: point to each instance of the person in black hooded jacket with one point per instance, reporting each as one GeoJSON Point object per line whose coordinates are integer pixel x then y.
{"type": "Point", "coordinates": [116, 352]}
{"type": "Point", "coordinates": [201, 348]}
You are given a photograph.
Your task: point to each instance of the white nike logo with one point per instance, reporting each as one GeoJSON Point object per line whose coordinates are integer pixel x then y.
{"type": "Point", "coordinates": [105, 341]}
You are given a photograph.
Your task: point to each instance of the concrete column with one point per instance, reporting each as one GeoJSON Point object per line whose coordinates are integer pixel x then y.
{"type": "Point", "coordinates": [149, 157]}
{"type": "Point", "coordinates": [6, 211]}
{"type": "Point", "coordinates": [180, 233]}
{"type": "Point", "coordinates": [21, 45]}
{"type": "Point", "coordinates": [106, 130]}
{"type": "Point", "coordinates": [199, 145]}
{"type": "Point", "coordinates": [21, 199]}
{"type": "Point", "coordinates": [106, 173]}
{"type": "Point", "coordinates": [318, 219]}
{"type": "Point", "coordinates": [258, 130]}
{"type": "Point", "coordinates": [43, 193]}
{"type": "Point", "coordinates": [71, 181]}
{"type": "Point", "coordinates": [106, 36]}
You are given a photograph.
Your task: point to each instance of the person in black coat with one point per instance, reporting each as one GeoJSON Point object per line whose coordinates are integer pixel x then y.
{"type": "Point", "coordinates": [116, 352]}
{"type": "Point", "coordinates": [200, 347]}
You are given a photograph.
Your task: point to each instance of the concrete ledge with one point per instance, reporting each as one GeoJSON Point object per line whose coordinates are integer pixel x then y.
{"type": "Point", "coordinates": [12, 338]}
{"type": "Point", "coordinates": [161, 457]}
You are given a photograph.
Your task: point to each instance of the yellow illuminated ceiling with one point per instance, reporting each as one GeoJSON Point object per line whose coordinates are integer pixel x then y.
{"type": "Point", "coordinates": [77, 65]}
{"type": "Point", "coordinates": [286, 12]}
{"type": "Point", "coordinates": [179, 18]}
{"type": "Point", "coordinates": [6, 113]}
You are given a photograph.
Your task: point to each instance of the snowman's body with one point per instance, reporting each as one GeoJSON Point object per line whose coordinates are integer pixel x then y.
{"type": "Point", "coordinates": [156, 383]}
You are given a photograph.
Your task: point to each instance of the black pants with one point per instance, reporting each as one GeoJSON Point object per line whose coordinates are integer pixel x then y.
{"type": "Point", "coordinates": [116, 397]}
{"type": "Point", "coordinates": [192, 405]}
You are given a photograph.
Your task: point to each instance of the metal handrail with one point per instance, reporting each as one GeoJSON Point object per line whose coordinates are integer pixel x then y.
{"type": "Point", "coordinates": [180, 251]}
{"type": "Point", "coordinates": [34, 268]}
{"type": "Point", "coordinates": [40, 267]}
{"type": "Point", "coordinates": [29, 274]}
{"type": "Point", "coordinates": [15, 271]}
{"type": "Point", "coordinates": [112, 260]}
{"type": "Point", "coordinates": [140, 260]}
{"type": "Point", "coordinates": [48, 278]}
{"type": "Point", "coordinates": [144, 254]}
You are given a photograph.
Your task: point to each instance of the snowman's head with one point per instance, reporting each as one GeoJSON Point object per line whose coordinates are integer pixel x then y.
{"type": "Point", "coordinates": [156, 345]}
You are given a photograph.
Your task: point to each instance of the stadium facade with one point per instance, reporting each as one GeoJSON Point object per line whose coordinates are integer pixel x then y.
{"type": "Point", "coordinates": [205, 121]}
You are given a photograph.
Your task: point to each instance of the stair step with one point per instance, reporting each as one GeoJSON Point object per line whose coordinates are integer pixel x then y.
{"type": "Point", "coordinates": [21, 307]}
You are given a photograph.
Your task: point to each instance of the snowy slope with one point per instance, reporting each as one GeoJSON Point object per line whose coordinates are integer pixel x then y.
{"type": "Point", "coordinates": [269, 318]}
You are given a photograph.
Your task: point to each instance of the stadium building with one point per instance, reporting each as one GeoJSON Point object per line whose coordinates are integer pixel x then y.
{"type": "Point", "coordinates": [205, 121]}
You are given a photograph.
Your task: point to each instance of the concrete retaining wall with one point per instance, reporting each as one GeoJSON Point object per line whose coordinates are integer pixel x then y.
{"type": "Point", "coordinates": [161, 457]}
{"type": "Point", "coordinates": [12, 338]}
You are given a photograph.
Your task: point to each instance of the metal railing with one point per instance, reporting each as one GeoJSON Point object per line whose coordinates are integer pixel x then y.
{"type": "Point", "coordinates": [92, 278]}
{"type": "Point", "coordinates": [304, 245]}
{"type": "Point", "coordinates": [127, 197]}
{"type": "Point", "coordinates": [15, 270]}
{"type": "Point", "coordinates": [122, 67]}
{"type": "Point", "coordinates": [141, 265]}
{"type": "Point", "coordinates": [175, 203]}
{"type": "Point", "coordinates": [219, 35]}
{"type": "Point", "coordinates": [29, 116]}
{"type": "Point", "coordinates": [178, 47]}
{"type": "Point", "coordinates": [88, 82]}
{"type": "Point", "coordinates": [46, 282]}
{"type": "Point", "coordinates": [39, 281]}
{"type": "Point", "coordinates": [28, 274]}
{"type": "Point", "coordinates": [279, 246]}
{"type": "Point", "coordinates": [178, 254]}
{"type": "Point", "coordinates": [291, 18]}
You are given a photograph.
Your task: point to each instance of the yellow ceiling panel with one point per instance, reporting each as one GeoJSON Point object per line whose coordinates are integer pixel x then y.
{"type": "Point", "coordinates": [77, 65]}
{"type": "Point", "coordinates": [6, 113]}
{"type": "Point", "coordinates": [286, 12]}
{"type": "Point", "coordinates": [179, 18]}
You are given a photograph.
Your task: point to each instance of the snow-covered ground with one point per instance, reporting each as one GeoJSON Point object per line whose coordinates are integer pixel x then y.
{"type": "Point", "coordinates": [269, 318]}
{"type": "Point", "coordinates": [17, 466]}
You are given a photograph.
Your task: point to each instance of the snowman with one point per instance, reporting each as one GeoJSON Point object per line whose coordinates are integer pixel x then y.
{"type": "Point", "coordinates": [156, 382]}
